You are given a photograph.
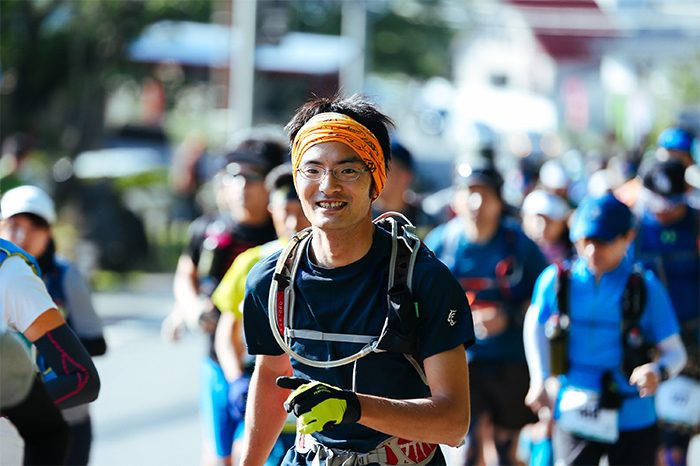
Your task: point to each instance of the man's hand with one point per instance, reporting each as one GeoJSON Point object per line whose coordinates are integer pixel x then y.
{"type": "Point", "coordinates": [173, 327]}
{"type": "Point", "coordinates": [489, 319]}
{"type": "Point", "coordinates": [646, 378]}
{"type": "Point", "coordinates": [318, 405]}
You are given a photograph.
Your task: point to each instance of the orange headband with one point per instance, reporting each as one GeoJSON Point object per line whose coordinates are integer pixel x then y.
{"type": "Point", "coordinates": [327, 127]}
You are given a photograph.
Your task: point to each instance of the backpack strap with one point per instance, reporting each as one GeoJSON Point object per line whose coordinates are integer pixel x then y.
{"type": "Point", "coordinates": [558, 325]}
{"type": "Point", "coordinates": [635, 346]}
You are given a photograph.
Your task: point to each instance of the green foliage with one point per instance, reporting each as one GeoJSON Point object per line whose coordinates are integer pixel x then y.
{"type": "Point", "coordinates": [417, 46]}
{"type": "Point", "coordinates": [410, 37]}
{"type": "Point", "coordinates": [64, 50]}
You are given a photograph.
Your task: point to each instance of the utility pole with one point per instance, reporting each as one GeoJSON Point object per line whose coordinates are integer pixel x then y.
{"type": "Point", "coordinates": [241, 65]}
{"type": "Point", "coordinates": [354, 25]}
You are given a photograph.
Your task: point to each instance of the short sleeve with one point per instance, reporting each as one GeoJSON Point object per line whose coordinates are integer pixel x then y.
{"type": "Point", "coordinates": [543, 297]}
{"type": "Point", "coordinates": [229, 295]}
{"type": "Point", "coordinates": [659, 318]}
{"type": "Point", "coordinates": [195, 234]}
{"type": "Point", "coordinates": [256, 324]}
{"type": "Point", "coordinates": [445, 318]}
{"type": "Point", "coordinates": [23, 296]}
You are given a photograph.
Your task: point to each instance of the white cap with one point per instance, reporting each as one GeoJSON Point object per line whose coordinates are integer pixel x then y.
{"type": "Point", "coordinates": [541, 202]}
{"type": "Point", "coordinates": [553, 175]}
{"type": "Point", "coordinates": [28, 200]}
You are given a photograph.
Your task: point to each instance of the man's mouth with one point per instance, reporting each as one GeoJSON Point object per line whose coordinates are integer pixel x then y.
{"type": "Point", "coordinates": [331, 205]}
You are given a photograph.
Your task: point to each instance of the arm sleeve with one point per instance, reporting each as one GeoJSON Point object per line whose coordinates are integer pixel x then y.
{"type": "Point", "coordinates": [76, 381]}
{"type": "Point", "coordinates": [536, 347]}
{"type": "Point", "coordinates": [534, 339]}
{"type": "Point", "coordinates": [23, 296]}
{"type": "Point", "coordinates": [673, 355]}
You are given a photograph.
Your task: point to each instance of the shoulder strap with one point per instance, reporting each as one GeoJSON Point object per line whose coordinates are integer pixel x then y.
{"type": "Point", "coordinates": [562, 287]}
{"type": "Point", "coordinates": [634, 296]}
{"type": "Point", "coordinates": [636, 350]}
{"type": "Point", "coordinates": [8, 250]}
{"type": "Point", "coordinates": [404, 247]}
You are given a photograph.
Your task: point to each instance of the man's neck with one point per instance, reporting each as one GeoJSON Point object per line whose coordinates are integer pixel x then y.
{"type": "Point", "coordinates": [480, 234]}
{"type": "Point", "coordinates": [253, 220]}
{"type": "Point", "coordinates": [337, 248]}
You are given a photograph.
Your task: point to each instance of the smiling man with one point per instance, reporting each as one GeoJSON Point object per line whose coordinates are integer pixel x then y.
{"type": "Point", "coordinates": [354, 402]}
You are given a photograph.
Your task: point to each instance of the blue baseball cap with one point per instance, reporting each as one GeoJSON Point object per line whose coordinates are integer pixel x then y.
{"type": "Point", "coordinates": [602, 218]}
{"type": "Point", "coordinates": [676, 139]}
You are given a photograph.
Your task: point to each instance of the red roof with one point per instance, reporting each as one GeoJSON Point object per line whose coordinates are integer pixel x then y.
{"type": "Point", "coordinates": [566, 29]}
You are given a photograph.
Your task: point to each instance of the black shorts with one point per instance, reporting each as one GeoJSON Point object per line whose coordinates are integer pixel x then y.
{"type": "Point", "coordinates": [499, 389]}
{"type": "Point", "coordinates": [634, 447]}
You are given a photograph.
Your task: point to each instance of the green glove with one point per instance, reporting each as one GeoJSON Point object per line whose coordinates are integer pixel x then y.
{"type": "Point", "coordinates": [318, 405]}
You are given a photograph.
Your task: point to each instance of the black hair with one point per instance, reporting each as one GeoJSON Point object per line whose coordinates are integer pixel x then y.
{"type": "Point", "coordinates": [262, 151]}
{"type": "Point", "coordinates": [46, 261]}
{"type": "Point", "coordinates": [37, 221]}
{"type": "Point", "coordinates": [357, 108]}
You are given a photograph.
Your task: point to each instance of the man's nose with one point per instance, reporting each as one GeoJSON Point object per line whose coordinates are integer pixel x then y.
{"type": "Point", "coordinates": [328, 181]}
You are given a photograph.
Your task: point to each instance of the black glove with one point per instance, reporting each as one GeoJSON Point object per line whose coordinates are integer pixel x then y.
{"type": "Point", "coordinates": [318, 405]}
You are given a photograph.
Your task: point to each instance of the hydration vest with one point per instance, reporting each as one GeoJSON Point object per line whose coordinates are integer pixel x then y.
{"type": "Point", "coordinates": [400, 330]}
{"type": "Point", "coordinates": [636, 349]}
{"type": "Point", "coordinates": [8, 249]}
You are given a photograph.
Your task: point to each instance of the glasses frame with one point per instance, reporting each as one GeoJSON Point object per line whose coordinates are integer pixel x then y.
{"type": "Point", "coordinates": [325, 171]}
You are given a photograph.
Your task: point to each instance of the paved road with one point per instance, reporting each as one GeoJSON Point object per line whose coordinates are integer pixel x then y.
{"type": "Point", "coordinates": [147, 411]}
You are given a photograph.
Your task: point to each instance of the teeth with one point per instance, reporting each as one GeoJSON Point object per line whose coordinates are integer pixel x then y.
{"type": "Point", "coordinates": [330, 205]}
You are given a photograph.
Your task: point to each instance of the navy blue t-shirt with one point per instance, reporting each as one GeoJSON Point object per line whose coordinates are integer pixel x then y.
{"type": "Point", "coordinates": [353, 300]}
{"type": "Point", "coordinates": [671, 251]}
{"type": "Point", "coordinates": [477, 268]}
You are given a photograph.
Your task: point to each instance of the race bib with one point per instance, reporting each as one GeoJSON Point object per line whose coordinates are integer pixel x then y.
{"type": "Point", "coordinates": [579, 414]}
{"type": "Point", "coordinates": [678, 401]}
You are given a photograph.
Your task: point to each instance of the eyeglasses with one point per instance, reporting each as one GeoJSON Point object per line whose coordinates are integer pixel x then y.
{"type": "Point", "coordinates": [344, 174]}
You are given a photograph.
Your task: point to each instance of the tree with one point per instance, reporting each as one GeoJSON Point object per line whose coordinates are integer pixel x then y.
{"type": "Point", "coordinates": [57, 56]}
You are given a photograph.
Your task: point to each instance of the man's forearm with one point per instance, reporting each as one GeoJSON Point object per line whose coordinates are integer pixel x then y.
{"type": "Point", "coordinates": [265, 417]}
{"type": "Point", "coordinates": [433, 420]}
{"type": "Point", "coordinates": [442, 418]}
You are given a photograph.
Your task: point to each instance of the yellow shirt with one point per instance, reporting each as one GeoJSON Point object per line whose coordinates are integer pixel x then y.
{"type": "Point", "coordinates": [228, 296]}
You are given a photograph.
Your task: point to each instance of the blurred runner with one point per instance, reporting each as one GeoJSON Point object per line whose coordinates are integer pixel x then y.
{"type": "Point", "coordinates": [497, 265]}
{"type": "Point", "coordinates": [237, 364]}
{"type": "Point", "coordinates": [29, 215]}
{"type": "Point", "coordinates": [26, 307]}
{"type": "Point", "coordinates": [544, 221]}
{"type": "Point", "coordinates": [672, 144]}
{"type": "Point", "coordinates": [667, 244]}
{"type": "Point", "coordinates": [591, 329]}
{"type": "Point", "coordinates": [214, 242]}
{"type": "Point", "coordinates": [397, 195]}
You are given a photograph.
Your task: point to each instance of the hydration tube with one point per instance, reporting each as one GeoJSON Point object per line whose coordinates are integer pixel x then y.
{"type": "Point", "coordinates": [281, 302]}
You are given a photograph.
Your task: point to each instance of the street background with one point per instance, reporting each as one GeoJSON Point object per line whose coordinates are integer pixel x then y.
{"type": "Point", "coordinates": [147, 410]}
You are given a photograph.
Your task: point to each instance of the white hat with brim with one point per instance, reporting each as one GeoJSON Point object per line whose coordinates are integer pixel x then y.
{"type": "Point", "coordinates": [540, 202]}
{"type": "Point", "coordinates": [28, 200]}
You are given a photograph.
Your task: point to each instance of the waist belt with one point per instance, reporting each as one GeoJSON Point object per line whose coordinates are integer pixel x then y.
{"type": "Point", "coordinates": [393, 451]}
